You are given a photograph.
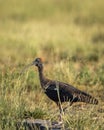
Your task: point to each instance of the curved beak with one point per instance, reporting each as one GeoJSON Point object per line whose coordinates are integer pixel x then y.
{"type": "Point", "coordinates": [26, 67]}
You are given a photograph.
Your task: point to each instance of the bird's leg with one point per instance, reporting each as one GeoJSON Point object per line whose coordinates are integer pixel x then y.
{"type": "Point", "coordinates": [61, 115]}
{"type": "Point", "coordinates": [61, 111]}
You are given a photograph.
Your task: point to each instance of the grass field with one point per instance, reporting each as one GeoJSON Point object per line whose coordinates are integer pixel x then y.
{"type": "Point", "coordinates": [69, 37]}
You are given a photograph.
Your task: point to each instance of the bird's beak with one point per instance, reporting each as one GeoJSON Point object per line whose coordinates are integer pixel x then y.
{"type": "Point", "coordinates": [26, 67]}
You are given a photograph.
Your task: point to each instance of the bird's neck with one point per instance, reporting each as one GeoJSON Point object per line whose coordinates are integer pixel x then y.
{"type": "Point", "coordinates": [41, 76]}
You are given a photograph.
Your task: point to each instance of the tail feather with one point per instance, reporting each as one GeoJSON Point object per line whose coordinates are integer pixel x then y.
{"type": "Point", "coordinates": [84, 97]}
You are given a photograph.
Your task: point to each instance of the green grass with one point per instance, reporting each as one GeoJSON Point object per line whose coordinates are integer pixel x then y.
{"type": "Point", "coordinates": [69, 37]}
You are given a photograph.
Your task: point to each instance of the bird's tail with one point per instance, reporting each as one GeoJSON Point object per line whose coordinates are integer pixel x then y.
{"type": "Point", "coordinates": [84, 97]}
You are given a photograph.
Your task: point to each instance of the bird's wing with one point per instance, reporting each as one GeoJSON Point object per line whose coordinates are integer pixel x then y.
{"type": "Point", "coordinates": [56, 85]}
{"type": "Point", "coordinates": [72, 92]}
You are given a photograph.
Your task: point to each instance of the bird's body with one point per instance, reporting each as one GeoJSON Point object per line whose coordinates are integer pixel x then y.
{"type": "Point", "coordinates": [60, 91]}
{"type": "Point", "coordinates": [63, 92]}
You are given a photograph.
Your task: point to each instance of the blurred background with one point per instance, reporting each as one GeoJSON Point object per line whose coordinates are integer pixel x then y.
{"type": "Point", "coordinates": [69, 36]}
{"type": "Point", "coordinates": [33, 28]}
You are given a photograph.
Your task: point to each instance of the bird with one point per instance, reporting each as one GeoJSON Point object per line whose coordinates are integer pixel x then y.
{"type": "Point", "coordinates": [59, 91]}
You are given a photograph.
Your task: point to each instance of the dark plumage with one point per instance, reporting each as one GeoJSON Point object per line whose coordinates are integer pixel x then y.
{"type": "Point", "coordinates": [61, 92]}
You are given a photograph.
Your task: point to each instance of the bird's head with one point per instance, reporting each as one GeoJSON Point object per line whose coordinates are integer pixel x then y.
{"type": "Point", "coordinates": [37, 62]}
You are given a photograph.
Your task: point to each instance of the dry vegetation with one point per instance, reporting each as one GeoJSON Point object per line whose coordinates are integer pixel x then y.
{"type": "Point", "coordinates": [69, 36]}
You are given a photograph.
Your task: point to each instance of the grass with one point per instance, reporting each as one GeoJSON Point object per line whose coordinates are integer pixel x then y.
{"type": "Point", "coordinates": [69, 36]}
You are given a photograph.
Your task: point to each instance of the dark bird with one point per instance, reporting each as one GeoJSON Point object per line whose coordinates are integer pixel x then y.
{"type": "Point", "coordinates": [61, 92]}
